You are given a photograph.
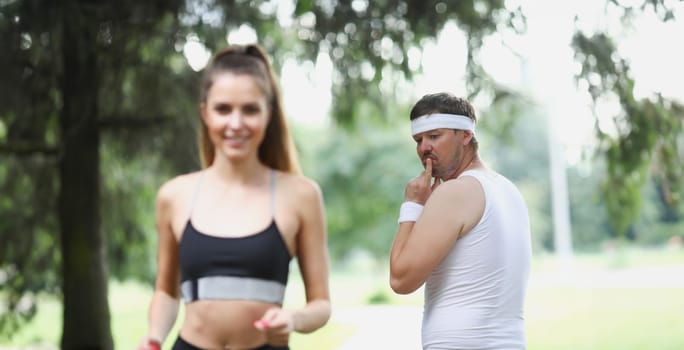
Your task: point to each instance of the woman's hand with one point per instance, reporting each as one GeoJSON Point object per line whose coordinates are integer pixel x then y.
{"type": "Point", "coordinates": [148, 344]}
{"type": "Point", "coordinates": [276, 324]}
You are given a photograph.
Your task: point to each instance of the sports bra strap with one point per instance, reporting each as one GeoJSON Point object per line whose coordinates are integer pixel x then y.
{"type": "Point", "coordinates": [196, 194]}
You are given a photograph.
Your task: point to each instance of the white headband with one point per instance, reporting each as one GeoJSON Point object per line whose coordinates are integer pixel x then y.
{"type": "Point", "coordinates": [439, 120]}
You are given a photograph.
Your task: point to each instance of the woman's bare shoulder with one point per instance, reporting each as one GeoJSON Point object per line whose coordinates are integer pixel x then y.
{"type": "Point", "coordinates": [299, 186]}
{"type": "Point", "coordinates": [178, 187]}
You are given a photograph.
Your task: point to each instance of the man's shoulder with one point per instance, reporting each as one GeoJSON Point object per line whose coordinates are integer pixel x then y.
{"type": "Point", "coordinates": [466, 182]}
{"type": "Point", "coordinates": [464, 189]}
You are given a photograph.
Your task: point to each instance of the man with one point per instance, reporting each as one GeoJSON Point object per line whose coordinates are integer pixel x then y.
{"type": "Point", "coordinates": [466, 235]}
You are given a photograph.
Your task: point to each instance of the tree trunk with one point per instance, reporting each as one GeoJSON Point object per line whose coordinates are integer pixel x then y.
{"type": "Point", "coordinates": [86, 319]}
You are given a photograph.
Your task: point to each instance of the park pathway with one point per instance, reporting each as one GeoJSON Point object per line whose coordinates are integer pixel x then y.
{"type": "Point", "coordinates": [382, 327]}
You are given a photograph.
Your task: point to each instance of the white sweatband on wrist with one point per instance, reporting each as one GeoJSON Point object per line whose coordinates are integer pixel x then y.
{"type": "Point", "coordinates": [441, 121]}
{"type": "Point", "coordinates": [409, 211]}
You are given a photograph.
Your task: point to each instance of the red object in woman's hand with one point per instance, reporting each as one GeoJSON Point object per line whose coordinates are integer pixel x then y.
{"type": "Point", "coordinates": [154, 345]}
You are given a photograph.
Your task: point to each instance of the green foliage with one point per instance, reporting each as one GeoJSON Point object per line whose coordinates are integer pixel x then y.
{"type": "Point", "coordinates": [27, 237]}
{"type": "Point", "coordinates": [136, 80]}
{"type": "Point", "coordinates": [379, 297]}
{"type": "Point", "coordinates": [513, 138]}
{"type": "Point", "coordinates": [590, 222]}
{"type": "Point", "coordinates": [128, 210]}
{"type": "Point", "coordinates": [367, 42]}
{"type": "Point", "coordinates": [363, 175]}
{"type": "Point", "coordinates": [537, 198]}
{"type": "Point", "coordinates": [658, 222]}
{"type": "Point", "coordinates": [646, 135]}
{"type": "Point", "coordinates": [654, 225]}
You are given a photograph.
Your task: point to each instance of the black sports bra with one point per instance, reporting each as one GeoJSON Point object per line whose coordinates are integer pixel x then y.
{"type": "Point", "coordinates": [253, 267]}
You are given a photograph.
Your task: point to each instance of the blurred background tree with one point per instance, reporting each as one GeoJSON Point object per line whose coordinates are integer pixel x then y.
{"type": "Point", "coordinates": [98, 107]}
{"type": "Point", "coordinates": [647, 142]}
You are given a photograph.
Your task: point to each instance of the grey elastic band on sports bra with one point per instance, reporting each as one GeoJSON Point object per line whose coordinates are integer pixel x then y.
{"type": "Point", "coordinates": [230, 287]}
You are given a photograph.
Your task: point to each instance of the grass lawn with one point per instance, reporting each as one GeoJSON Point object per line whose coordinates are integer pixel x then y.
{"type": "Point", "coordinates": [608, 302]}
{"type": "Point", "coordinates": [606, 319]}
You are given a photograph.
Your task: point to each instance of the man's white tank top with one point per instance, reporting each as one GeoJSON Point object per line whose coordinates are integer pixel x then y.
{"type": "Point", "coordinates": [474, 298]}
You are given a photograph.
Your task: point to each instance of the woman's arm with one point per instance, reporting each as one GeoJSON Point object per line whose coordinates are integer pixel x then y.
{"type": "Point", "coordinates": [312, 255]}
{"type": "Point", "coordinates": [313, 261]}
{"type": "Point", "coordinates": [164, 305]}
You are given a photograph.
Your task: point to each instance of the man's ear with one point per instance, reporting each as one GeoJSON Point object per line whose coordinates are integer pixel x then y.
{"type": "Point", "coordinates": [467, 136]}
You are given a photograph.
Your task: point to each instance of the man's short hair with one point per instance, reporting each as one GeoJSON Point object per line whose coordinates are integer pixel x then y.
{"type": "Point", "coordinates": [443, 102]}
{"type": "Point", "coordinates": [446, 103]}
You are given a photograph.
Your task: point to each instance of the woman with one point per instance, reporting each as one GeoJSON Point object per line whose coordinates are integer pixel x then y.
{"type": "Point", "coordinates": [228, 232]}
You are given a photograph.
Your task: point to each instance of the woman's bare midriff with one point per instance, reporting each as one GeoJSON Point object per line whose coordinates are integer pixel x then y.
{"type": "Point", "coordinates": [224, 324]}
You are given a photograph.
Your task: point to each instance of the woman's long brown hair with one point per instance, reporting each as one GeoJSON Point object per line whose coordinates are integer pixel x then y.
{"type": "Point", "coordinates": [277, 150]}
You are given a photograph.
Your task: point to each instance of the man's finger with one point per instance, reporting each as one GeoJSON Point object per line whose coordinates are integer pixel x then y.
{"type": "Point", "coordinates": [428, 168]}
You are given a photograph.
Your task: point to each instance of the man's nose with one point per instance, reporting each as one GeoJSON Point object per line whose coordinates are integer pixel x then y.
{"type": "Point", "coordinates": [424, 147]}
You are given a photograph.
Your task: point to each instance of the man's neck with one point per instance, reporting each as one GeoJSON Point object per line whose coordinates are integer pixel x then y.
{"type": "Point", "coordinates": [471, 160]}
